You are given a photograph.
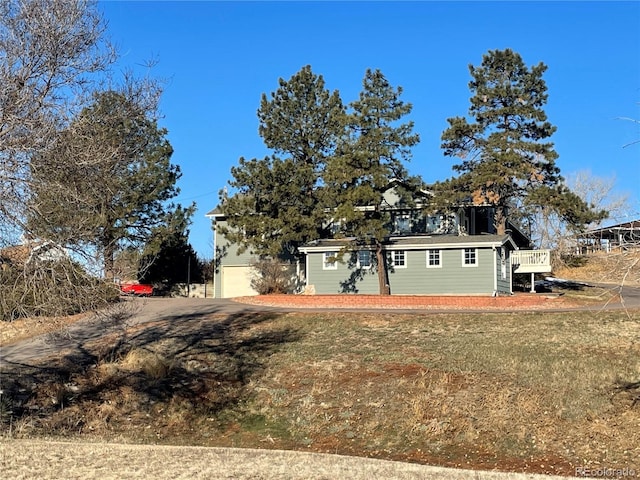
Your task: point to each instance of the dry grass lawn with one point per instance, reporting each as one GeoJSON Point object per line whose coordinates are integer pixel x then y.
{"type": "Point", "coordinates": [522, 392]}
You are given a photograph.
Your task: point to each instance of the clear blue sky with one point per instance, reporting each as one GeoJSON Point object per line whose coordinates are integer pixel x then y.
{"type": "Point", "coordinates": [219, 57]}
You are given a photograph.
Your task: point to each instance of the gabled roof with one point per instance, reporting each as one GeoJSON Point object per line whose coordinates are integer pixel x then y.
{"type": "Point", "coordinates": [215, 213]}
{"type": "Point", "coordinates": [519, 238]}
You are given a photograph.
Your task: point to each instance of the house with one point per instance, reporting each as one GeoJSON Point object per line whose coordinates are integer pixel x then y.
{"type": "Point", "coordinates": [427, 254]}
{"type": "Point", "coordinates": [233, 270]}
{"type": "Point", "coordinates": [31, 252]}
{"type": "Point", "coordinates": [418, 265]}
{"type": "Point", "coordinates": [622, 235]}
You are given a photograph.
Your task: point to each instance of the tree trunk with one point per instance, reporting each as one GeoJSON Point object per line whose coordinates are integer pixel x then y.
{"type": "Point", "coordinates": [500, 220]}
{"type": "Point", "coordinates": [108, 254]}
{"type": "Point", "coordinates": [383, 281]}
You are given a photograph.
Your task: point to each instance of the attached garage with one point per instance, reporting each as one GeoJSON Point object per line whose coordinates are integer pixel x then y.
{"type": "Point", "coordinates": [236, 281]}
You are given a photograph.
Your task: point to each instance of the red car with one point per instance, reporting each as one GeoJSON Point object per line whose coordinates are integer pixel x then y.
{"type": "Point", "coordinates": [138, 289]}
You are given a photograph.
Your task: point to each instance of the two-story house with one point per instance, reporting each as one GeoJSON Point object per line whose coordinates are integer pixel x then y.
{"type": "Point", "coordinates": [458, 253]}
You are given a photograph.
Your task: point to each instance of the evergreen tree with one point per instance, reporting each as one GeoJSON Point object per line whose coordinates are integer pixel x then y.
{"type": "Point", "coordinates": [175, 262]}
{"type": "Point", "coordinates": [372, 156]}
{"type": "Point", "coordinates": [277, 205]}
{"type": "Point", "coordinates": [107, 179]}
{"type": "Point", "coordinates": [168, 257]}
{"type": "Point", "coordinates": [507, 158]}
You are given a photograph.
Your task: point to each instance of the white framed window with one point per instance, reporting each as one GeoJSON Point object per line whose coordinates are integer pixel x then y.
{"type": "Point", "coordinates": [470, 257]}
{"type": "Point", "coordinates": [330, 261]}
{"type": "Point", "coordinates": [364, 259]}
{"type": "Point", "coordinates": [434, 260]}
{"type": "Point", "coordinates": [399, 259]}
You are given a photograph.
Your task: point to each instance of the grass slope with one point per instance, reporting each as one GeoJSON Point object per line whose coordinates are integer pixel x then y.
{"type": "Point", "coordinates": [534, 392]}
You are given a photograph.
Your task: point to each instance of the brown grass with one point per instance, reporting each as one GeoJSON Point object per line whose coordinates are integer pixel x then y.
{"type": "Point", "coordinates": [533, 392]}
{"type": "Point", "coordinates": [618, 267]}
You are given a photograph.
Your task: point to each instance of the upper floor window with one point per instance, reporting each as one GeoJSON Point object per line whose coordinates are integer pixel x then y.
{"type": "Point", "coordinates": [402, 223]}
{"type": "Point", "coordinates": [470, 257]}
{"type": "Point", "coordinates": [433, 258]}
{"type": "Point", "coordinates": [330, 261]}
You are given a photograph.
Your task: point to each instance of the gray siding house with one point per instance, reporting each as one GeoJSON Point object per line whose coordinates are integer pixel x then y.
{"type": "Point", "coordinates": [454, 254]}
{"type": "Point", "coordinates": [417, 265]}
{"type": "Point", "coordinates": [233, 270]}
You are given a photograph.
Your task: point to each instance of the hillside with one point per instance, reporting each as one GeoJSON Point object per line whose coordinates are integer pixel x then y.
{"type": "Point", "coordinates": [614, 268]}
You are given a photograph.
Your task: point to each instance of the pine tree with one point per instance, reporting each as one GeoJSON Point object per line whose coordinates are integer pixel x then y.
{"type": "Point", "coordinates": [277, 204]}
{"type": "Point", "coordinates": [369, 160]}
{"type": "Point", "coordinates": [106, 181]}
{"type": "Point", "coordinates": [507, 158]}
{"type": "Point", "coordinates": [168, 258]}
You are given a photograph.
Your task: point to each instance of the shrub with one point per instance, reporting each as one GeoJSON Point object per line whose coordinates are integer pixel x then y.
{"type": "Point", "coordinates": [272, 277]}
{"type": "Point", "coordinates": [572, 261]}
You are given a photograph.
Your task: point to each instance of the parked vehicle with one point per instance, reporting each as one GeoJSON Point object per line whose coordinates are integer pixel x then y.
{"type": "Point", "coordinates": [137, 289]}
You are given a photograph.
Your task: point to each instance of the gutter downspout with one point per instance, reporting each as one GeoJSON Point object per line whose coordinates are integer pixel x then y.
{"type": "Point", "coordinates": [495, 271]}
{"type": "Point", "coordinates": [510, 271]}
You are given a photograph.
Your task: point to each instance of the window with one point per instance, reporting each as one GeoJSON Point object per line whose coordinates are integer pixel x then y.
{"type": "Point", "coordinates": [329, 261]}
{"type": "Point", "coordinates": [364, 259]}
{"type": "Point", "coordinates": [402, 223]}
{"type": "Point", "coordinates": [335, 226]}
{"type": "Point", "coordinates": [433, 259]}
{"type": "Point", "coordinates": [469, 257]}
{"type": "Point", "coordinates": [399, 259]}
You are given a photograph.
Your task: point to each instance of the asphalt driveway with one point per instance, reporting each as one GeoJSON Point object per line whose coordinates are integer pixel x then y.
{"type": "Point", "coordinates": [131, 312]}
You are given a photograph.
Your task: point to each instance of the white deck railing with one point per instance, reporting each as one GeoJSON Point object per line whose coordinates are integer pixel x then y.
{"type": "Point", "coordinates": [531, 261]}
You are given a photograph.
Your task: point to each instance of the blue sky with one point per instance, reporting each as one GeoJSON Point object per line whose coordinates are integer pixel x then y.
{"type": "Point", "coordinates": [219, 57]}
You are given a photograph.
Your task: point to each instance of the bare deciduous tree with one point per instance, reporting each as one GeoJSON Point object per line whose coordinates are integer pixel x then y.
{"type": "Point", "coordinates": [549, 230]}
{"type": "Point", "coordinates": [48, 52]}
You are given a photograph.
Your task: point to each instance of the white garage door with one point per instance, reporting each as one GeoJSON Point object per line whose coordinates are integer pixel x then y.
{"type": "Point", "coordinates": [236, 282]}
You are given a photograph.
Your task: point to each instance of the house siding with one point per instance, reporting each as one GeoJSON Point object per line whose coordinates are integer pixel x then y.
{"type": "Point", "coordinates": [416, 279]}
{"type": "Point", "coordinates": [451, 278]}
{"type": "Point", "coordinates": [504, 282]}
{"type": "Point", "coordinates": [227, 255]}
{"type": "Point", "coordinates": [341, 280]}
